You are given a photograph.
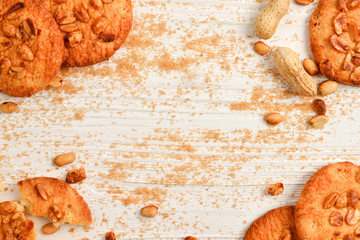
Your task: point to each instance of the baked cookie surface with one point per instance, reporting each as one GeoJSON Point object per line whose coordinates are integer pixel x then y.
{"type": "Point", "coordinates": [328, 206]}
{"type": "Point", "coordinates": [31, 47]}
{"type": "Point", "coordinates": [335, 39]}
{"type": "Point", "coordinates": [13, 224]}
{"type": "Point", "coordinates": [92, 29]}
{"type": "Point", "coordinates": [277, 224]}
{"type": "Point", "coordinates": [54, 199]}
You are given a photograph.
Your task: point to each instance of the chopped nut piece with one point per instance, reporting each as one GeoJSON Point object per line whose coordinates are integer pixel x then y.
{"type": "Point", "coordinates": [107, 37]}
{"type": "Point", "coordinates": [25, 52]}
{"type": "Point", "coordinates": [319, 121]}
{"type": "Point", "coordinates": [96, 4]}
{"type": "Point", "coordinates": [190, 238]}
{"type": "Point", "coordinates": [353, 216]}
{"type": "Point", "coordinates": [99, 25]}
{"type": "Point", "coordinates": [355, 3]}
{"type": "Point", "coordinates": [76, 175]}
{"type": "Point", "coordinates": [319, 106]}
{"type": "Point", "coordinates": [149, 211]}
{"type": "Point", "coordinates": [353, 198]}
{"type": "Point", "coordinates": [354, 32]}
{"type": "Point", "coordinates": [41, 190]}
{"type": "Point", "coordinates": [5, 65]}
{"type": "Point", "coordinates": [110, 236]}
{"type": "Point", "coordinates": [340, 23]}
{"type": "Point", "coordinates": [20, 72]}
{"type": "Point", "coordinates": [261, 48]}
{"type": "Point", "coordinates": [348, 66]}
{"type": "Point", "coordinates": [342, 201]}
{"type": "Point", "coordinates": [56, 82]}
{"type": "Point", "coordinates": [276, 189]}
{"type": "Point", "coordinates": [310, 67]}
{"type": "Point", "coordinates": [64, 16]}
{"type": "Point", "coordinates": [330, 200]}
{"type": "Point", "coordinates": [328, 87]}
{"type": "Point", "coordinates": [69, 28]}
{"type": "Point", "coordinates": [273, 118]}
{"type": "Point", "coordinates": [8, 107]}
{"type": "Point", "coordinates": [5, 43]}
{"type": "Point", "coordinates": [81, 14]}
{"type": "Point", "coordinates": [339, 43]}
{"type": "Point", "coordinates": [29, 27]}
{"type": "Point", "coordinates": [54, 213]}
{"type": "Point", "coordinates": [9, 30]}
{"type": "Point", "coordinates": [357, 176]}
{"type": "Point", "coordinates": [336, 219]}
{"type": "Point", "coordinates": [73, 39]}
{"type": "Point", "coordinates": [50, 228]}
{"type": "Point", "coordinates": [15, 7]}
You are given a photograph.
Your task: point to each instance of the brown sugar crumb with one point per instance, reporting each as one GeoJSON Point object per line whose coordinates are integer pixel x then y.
{"type": "Point", "coordinates": [76, 175]}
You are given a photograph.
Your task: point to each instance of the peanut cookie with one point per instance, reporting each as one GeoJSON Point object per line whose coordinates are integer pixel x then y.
{"type": "Point", "coordinates": [335, 39]}
{"type": "Point", "coordinates": [277, 224]}
{"type": "Point", "coordinates": [31, 47]}
{"type": "Point", "coordinates": [13, 223]}
{"type": "Point", "coordinates": [328, 206]}
{"type": "Point", "coordinates": [55, 199]}
{"type": "Point", "coordinates": [92, 29]}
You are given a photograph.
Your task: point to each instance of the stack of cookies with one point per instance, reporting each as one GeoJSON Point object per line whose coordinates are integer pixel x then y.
{"type": "Point", "coordinates": [328, 208]}
{"type": "Point", "coordinates": [37, 37]}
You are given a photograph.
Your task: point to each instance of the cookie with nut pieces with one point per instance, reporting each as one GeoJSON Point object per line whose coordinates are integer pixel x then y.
{"type": "Point", "coordinates": [274, 225]}
{"type": "Point", "coordinates": [14, 224]}
{"type": "Point", "coordinates": [335, 39]}
{"type": "Point", "coordinates": [92, 29]}
{"type": "Point", "coordinates": [328, 206]}
{"type": "Point", "coordinates": [54, 199]}
{"type": "Point", "coordinates": [31, 47]}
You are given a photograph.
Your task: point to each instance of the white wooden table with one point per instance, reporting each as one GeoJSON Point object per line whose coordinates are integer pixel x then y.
{"type": "Point", "coordinates": [175, 119]}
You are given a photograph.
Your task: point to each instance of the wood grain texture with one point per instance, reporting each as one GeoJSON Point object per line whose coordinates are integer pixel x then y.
{"type": "Point", "coordinates": [175, 119]}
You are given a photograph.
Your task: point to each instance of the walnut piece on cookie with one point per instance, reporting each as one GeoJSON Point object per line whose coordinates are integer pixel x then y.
{"type": "Point", "coordinates": [328, 206]}
{"type": "Point", "coordinates": [277, 224]}
{"type": "Point", "coordinates": [13, 224]}
{"type": "Point", "coordinates": [31, 47]}
{"type": "Point", "coordinates": [54, 199]}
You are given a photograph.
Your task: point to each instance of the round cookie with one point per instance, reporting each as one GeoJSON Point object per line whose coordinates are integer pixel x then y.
{"type": "Point", "coordinates": [31, 47]}
{"type": "Point", "coordinates": [13, 224]}
{"type": "Point", "coordinates": [277, 224]}
{"type": "Point", "coordinates": [335, 39]}
{"type": "Point", "coordinates": [328, 206]}
{"type": "Point", "coordinates": [92, 29]}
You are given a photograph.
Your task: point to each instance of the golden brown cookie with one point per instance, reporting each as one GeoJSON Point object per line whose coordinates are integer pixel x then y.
{"type": "Point", "coordinates": [13, 223]}
{"type": "Point", "coordinates": [92, 29]}
{"type": "Point", "coordinates": [277, 224]}
{"type": "Point", "coordinates": [328, 206]}
{"type": "Point", "coordinates": [31, 47]}
{"type": "Point", "coordinates": [335, 39]}
{"type": "Point", "coordinates": [54, 199]}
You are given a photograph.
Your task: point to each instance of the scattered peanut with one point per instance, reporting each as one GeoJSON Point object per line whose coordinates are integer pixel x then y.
{"type": "Point", "coordinates": [342, 201]}
{"type": "Point", "coordinates": [110, 236]}
{"type": "Point", "coordinates": [319, 106]}
{"type": "Point", "coordinates": [261, 48]}
{"type": "Point", "coordinates": [65, 158]}
{"type": "Point", "coordinates": [353, 216]}
{"type": "Point", "coordinates": [273, 118]}
{"type": "Point", "coordinates": [319, 121]}
{"type": "Point", "coordinates": [304, 2]}
{"type": "Point", "coordinates": [149, 211]}
{"type": "Point", "coordinates": [353, 198]}
{"type": "Point", "coordinates": [330, 200]}
{"type": "Point", "coordinates": [76, 175]}
{"type": "Point", "coordinates": [289, 65]}
{"type": "Point", "coordinates": [190, 238]}
{"type": "Point", "coordinates": [56, 82]}
{"type": "Point", "coordinates": [336, 219]}
{"type": "Point", "coordinates": [310, 67]}
{"type": "Point", "coordinates": [328, 87]}
{"type": "Point", "coordinates": [8, 107]}
{"type": "Point", "coordinates": [268, 19]}
{"type": "Point", "coordinates": [357, 176]}
{"type": "Point", "coordinates": [41, 191]}
{"type": "Point", "coordinates": [50, 228]}
{"type": "Point", "coordinates": [276, 189]}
